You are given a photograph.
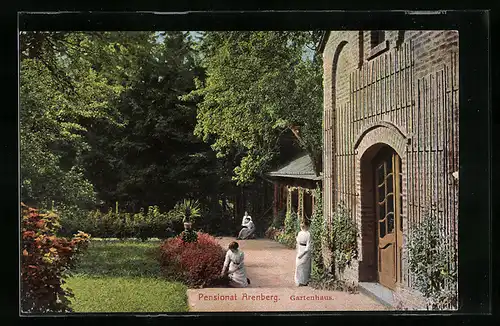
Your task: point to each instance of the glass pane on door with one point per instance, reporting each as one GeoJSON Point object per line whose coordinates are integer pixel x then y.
{"type": "Point", "coordinates": [389, 165]}
{"type": "Point", "coordinates": [390, 203]}
{"type": "Point", "coordinates": [382, 230]}
{"type": "Point", "coordinates": [388, 181]}
{"type": "Point", "coordinates": [390, 223]}
{"type": "Point", "coordinates": [381, 193]}
{"type": "Point", "coordinates": [381, 211]}
{"type": "Point", "coordinates": [380, 174]}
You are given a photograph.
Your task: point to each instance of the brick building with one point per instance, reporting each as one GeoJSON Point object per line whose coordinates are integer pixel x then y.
{"type": "Point", "coordinates": [390, 144]}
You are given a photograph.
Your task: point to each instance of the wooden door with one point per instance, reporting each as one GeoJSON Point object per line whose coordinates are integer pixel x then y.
{"type": "Point", "coordinates": [388, 204]}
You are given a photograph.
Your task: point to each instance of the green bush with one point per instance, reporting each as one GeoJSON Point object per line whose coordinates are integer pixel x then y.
{"type": "Point", "coordinates": [72, 219]}
{"type": "Point", "coordinates": [279, 219]}
{"type": "Point", "coordinates": [272, 232]}
{"type": "Point", "coordinates": [318, 233]}
{"type": "Point", "coordinates": [279, 235]}
{"type": "Point", "coordinates": [341, 241]}
{"type": "Point", "coordinates": [127, 227]}
{"type": "Point", "coordinates": [292, 224]}
{"type": "Point", "coordinates": [285, 234]}
{"type": "Point", "coordinates": [111, 224]}
{"type": "Point", "coordinates": [142, 225]}
{"type": "Point", "coordinates": [136, 226]}
{"type": "Point", "coordinates": [287, 239]}
{"type": "Point", "coordinates": [189, 236]}
{"type": "Point", "coordinates": [153, 223]}
{"type": "Point", "coordinates": [93, 221]}
{"type": "Point", "coordinates": [344, 238]}
{"type": "Point", "coordinates": [186, 210]}
{"type": "Point", "coordinates": [433, 261]}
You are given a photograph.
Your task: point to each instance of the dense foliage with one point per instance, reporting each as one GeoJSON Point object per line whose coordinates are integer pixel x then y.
{"type": "Point", "coordinates": [68, 81]}
{"type": "Point", "coordinates": [279, 220]}
{"type": "Point", "coordinates": [431, 261]}
{"type": "Point", "coordinates": [343, 238]}
{"type": "Point", "coordinates": [189, 236]}
{"type": "Point", "coordinates": [187, 210]}
{"type": "Point", "coordinates": [258, 85]}
{"type": "Point", "coordinates": [46, 261]}
{"type": "Point", "coordinates": [272, 233]}
{"type": "Point", "coordinates": [155, 159]}
{"type": "Point", "coordinates": [292, 224]}
{"type": "Point", "coordinates": [318, 233]}
{"type": "Point", "coordinates": [197, 264]}
{"type": "Point", "coordinates": [147, 223]}
{"type": "Point", "coordinates": [286, 233]}
{"type": "Point", "coordinates": [126, 116]}
{"type": "Point", "coordinates": [339, 240]}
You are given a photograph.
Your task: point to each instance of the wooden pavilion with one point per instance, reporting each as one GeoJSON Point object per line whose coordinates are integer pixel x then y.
{"type": "Point", "coordinates": [293, 187]}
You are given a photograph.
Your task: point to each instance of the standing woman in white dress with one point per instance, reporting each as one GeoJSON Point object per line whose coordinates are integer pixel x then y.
{"type": "Point", "coordinates": [303, 261]}
{"type": "Point", "coordinates": [234, 267]}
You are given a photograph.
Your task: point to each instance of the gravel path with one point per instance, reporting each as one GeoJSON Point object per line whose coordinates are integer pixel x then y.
{"type": "Point", "coordinates": [271, 267]}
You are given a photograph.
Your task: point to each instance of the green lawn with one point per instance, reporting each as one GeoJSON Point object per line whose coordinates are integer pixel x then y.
{"type": "Point", "coordinates": [123, 276]}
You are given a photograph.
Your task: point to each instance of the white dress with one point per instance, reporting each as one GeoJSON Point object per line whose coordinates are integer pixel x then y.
{"type": "Point", "coordinates": [237, 273]}
{"type": "Point", "coordinates": [247, 231]}
{"type": "Point", "coordinates": [243, 223]}
{"type": "Point", "coordinates": [303, 260]}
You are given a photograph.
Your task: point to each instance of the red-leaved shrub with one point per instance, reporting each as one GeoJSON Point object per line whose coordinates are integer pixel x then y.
{"type": "Point", "coordinates": [45, 262]}
{"type": "Point", "coordinates": [197, 264]}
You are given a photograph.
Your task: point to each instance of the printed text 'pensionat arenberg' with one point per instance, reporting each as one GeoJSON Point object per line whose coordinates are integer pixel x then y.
{"type": "Point", "coordinates": [261, 297]}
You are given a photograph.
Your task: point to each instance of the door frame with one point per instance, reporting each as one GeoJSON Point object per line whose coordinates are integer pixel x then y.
{"type": "Point", "coordinates": [383, 155]}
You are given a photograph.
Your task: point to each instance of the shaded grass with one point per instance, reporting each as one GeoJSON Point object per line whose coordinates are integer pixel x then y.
{"type": "Point", "coordinates": [127, 294]}
{"type": "Point", "coordinates": [120, 258]}
{"type": "Point", "coordinates": [124, 276]}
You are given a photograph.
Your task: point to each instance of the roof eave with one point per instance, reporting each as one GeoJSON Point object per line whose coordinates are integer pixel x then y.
{"type": "Point", "coordinates": [297, 176]}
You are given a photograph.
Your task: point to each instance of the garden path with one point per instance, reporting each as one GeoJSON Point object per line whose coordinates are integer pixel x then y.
{"type": "Point", "coordinates": [271, 267]}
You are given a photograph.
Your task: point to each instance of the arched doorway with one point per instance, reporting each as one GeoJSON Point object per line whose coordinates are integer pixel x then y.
{"type": "Point", "coordinates": [387, 208]}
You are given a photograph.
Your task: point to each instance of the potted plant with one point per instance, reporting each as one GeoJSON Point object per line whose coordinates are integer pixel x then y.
{"type": "Point", "coordinates": [187, 210]}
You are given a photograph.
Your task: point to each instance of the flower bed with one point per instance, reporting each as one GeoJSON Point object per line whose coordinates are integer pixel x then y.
{"type": "Point", "coordinates": [279, 235]}
{"type": "Point", "coordinates": [197, 264]}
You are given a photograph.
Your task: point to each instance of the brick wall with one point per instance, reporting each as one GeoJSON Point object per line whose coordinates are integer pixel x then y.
{"type": "Point", "coordinates": [403, 93]}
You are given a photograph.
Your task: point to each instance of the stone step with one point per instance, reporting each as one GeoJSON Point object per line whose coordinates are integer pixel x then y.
{"type": "Point", "coordinates": [378, 292]}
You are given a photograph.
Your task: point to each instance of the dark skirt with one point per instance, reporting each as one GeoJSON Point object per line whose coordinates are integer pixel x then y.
{"type": "Point", "coordinates": [224, 282]}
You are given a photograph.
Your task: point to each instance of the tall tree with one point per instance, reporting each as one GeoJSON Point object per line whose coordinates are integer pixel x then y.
{"type": "Point", "coordinates": [67, 82]}
{"type": "Point", "coordinates": [155, 159]}
{"type": "Point", "coordinates": [258, 85]}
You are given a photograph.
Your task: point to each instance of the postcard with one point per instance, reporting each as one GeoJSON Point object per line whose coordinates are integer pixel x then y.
{"type": "Point", "coordinates": [239, 171]}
